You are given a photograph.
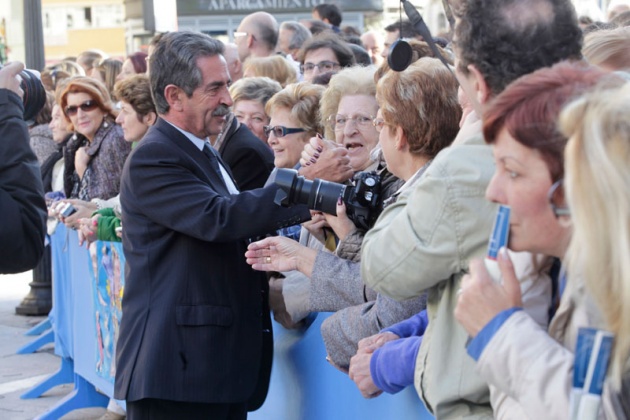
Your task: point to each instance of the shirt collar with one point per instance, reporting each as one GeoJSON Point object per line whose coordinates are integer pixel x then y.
{"type": "Point", "coordinates": [199, 143]}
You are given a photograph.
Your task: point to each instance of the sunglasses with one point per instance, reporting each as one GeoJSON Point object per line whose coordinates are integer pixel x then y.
{"type": "Point", "coordinates": [280, 131]}
{"type": "Point", "coordinates": [85, 107]}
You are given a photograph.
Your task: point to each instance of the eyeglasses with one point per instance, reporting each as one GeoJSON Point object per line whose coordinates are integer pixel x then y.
{"type": "Point", "coordinates": [557, 200]}
{"type": "Point", "coordinates": [85, 107]}
{"type": "Point", "coordinates": [239, 34]}
{"type": "Point", "coordinates": [280, 131]}
{"type": "Point", "coordinates": [339, 121]}
{"type": "Point", "coordinates": [322, 66]}
{"type": "Point", "coordinates": [379, 123]}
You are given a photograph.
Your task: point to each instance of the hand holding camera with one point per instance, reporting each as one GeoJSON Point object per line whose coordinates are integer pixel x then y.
{"type": "Point", "coordinates": [341, 223]}
{"type": "Point", "coordinates": [362, 199]}
{"type": "Point", "coordinates": [26, 84]}
{"type": "Point", "coordinates": [9, 77]}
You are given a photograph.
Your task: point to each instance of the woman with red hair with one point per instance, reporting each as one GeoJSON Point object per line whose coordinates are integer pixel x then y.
{"type": "Point", "coordinates": [136, 63]}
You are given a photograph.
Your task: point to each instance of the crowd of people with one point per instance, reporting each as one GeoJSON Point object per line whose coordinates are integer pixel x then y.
{"type": "Point", "coordinates": [171, 152]}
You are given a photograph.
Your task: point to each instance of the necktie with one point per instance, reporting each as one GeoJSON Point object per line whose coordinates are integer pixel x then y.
{"type": "Point", "coordinates": [214, 161]}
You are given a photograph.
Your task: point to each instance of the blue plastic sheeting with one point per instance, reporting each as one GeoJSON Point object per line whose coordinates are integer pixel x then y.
{"type": "Point", "coordinates": [303, 384]}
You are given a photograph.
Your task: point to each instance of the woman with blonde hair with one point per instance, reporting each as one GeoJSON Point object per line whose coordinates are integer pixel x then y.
{"type": "Point", "coordinates": [294, 119]}
{"type": "Point", "coordinates": [608, 49]}
{"type": "Point", "coordinates": [107, 72]}
{"type": "Point", "coordinates": [275, 67]}
{"type": "Point", "coordinates": [598, 195]}
{"type": "Point", "coordinates": [348, 107]}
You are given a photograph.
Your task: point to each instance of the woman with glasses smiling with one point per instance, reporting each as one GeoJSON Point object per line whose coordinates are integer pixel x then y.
{"type": "Point", "coordinates": [96, 153]}
{"type": "Point", "coordinates": [293, 120]}
{"type": "Point", "coordinates": [530, 366]}
{"type": "Point", "coordinates": [324, 53]}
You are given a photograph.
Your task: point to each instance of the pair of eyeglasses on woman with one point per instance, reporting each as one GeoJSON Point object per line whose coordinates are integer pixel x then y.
{"type": "Point", "coordinates": [339, 121]}
{"type": "Point", "coordinates": [85, 107]}
{"type": "Point", "coordinates": [379, 123]}
{"type": "Point", "coordinates": [280, 131]}
{"type": "Point", "coordinates": [557, 200]}
{"type": "Point", "coordinates": [322, 66]}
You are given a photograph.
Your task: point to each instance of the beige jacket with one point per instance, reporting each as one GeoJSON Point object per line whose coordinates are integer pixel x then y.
{"type": "Point", "coordinates": [424, 242]}
{"type": "Point", "coordinates": [534, 366]}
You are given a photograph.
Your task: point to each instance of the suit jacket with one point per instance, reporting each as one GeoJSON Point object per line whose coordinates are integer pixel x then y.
{"type": "Point", "coordinates": [192, 319]}
{"type": "Point", "coordinates": [22, 206]}
{"type": "Point", "coordinates": [250, 160]}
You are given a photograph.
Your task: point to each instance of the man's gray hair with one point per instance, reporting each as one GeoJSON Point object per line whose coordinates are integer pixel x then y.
{"type": "Point", "coordinates": [300, 34]}
{"type": "Point", "coordinates": [174, 62]}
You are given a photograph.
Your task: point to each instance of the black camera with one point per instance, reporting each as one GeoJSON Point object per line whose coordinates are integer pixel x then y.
{"type": "Point", "coordinates": [34, 93]}
{"type": "Point", "coordinates": [362, 199]}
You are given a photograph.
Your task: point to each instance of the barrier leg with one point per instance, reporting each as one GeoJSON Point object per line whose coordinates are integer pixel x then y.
{"type": "Point", "coordinates": [84, 395]}
{"type": "Point", "coordinates": [39, 328]}
{"type": "Point", "coordinates": [64, 375]}
{"type": "Point", "coordinates": [34, 345]}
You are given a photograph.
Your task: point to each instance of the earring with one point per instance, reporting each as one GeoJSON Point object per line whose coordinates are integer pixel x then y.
{"type": "Point", "coordinates": [105, 124]}
{"type": "Point", "coordinates": [74, 136]}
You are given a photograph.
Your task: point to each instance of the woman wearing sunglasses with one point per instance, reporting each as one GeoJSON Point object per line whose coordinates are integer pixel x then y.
{"type": "Point", "coordinates": [293, 120]}
{"type": "Point", "coordinates": [96, 153]}
{"type": "Point", "coordinates": [531, 367]}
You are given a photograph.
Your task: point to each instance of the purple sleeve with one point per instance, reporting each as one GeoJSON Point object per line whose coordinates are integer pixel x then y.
{"type": "Point", "coordinates": [410, 327]}
{"type": "Point", "coordinates": [392, 366]}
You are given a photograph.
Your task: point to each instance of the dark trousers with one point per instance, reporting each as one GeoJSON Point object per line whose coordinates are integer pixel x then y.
{"type": "Point", "coordinates": [154, 409]}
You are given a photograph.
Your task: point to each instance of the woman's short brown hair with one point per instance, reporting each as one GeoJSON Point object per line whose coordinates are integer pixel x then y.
{"type": "Point", "coordinates": [423, 101]}
{"type": "Point", "coordinates": [136, 91]}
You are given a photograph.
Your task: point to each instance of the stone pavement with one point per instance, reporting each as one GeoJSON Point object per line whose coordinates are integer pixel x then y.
{"type": "Point", "coordinates": [20, 372]}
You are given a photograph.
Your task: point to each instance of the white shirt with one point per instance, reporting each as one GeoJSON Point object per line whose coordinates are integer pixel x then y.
{"type": "Point", "coordinates": [199, 143]}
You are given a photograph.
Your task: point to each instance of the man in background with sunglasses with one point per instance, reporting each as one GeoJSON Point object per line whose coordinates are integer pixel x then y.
{"type": "Point", "coordinates": [22, 203]}
{"type": "Point", "coordinates": [195, 336]}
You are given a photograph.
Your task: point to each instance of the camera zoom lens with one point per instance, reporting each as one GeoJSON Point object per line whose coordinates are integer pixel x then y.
{"type": "Point", "coordinates": [323, 196]}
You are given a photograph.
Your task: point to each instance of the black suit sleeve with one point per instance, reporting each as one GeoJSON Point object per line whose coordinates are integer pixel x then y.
{"type": "Point", "coordinates": [22, 205]}
{"type": "Point", "coordinates": [168, 189]}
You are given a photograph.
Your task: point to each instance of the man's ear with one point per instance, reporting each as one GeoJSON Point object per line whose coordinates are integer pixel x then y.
{"type": "Point", "coordinates": [238, 67]}
{"type": "Point", "coordinates": [173, 94]}
{"type": "Point", "coordinates": [482, 88]}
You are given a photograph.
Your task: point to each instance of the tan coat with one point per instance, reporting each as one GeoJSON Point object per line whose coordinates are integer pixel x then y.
{"type": "Point", "coordinates": [534, 366]}
{"type": "Point", "coordinates": [424, 242]}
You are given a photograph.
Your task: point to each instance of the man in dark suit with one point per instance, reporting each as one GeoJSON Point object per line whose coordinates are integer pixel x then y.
{"type": "Point", "coordinates": [22, 206]}
{"type": "Point", "coordinates": [191, 335]}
